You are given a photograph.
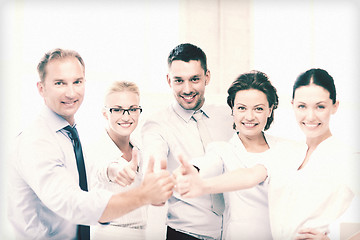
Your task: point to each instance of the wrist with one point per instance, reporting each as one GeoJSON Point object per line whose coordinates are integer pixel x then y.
{"type": "Point", "coordinates": [112, 171]}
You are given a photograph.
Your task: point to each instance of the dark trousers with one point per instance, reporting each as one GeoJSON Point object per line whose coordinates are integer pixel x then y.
{"type": "Point", "coordinates": [172, 234]}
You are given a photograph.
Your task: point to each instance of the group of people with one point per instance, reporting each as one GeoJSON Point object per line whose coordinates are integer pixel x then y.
{"type": "Point", "coordinates": [221, 175]}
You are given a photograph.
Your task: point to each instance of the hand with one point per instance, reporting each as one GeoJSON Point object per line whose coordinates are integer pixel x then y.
{"type": "Point", "coordinates": [309, 233]}
{"type": "Point", "coordinates": [158, 187]}
{"type": "Point", "coordinates": [124, 176]}
{"type": "Point", "coordinates": [188, 180]}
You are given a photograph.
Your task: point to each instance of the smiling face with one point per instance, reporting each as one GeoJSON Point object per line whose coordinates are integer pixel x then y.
{"type": "Point", "coordinates": [63, 88]}
{"type": "Point", "coordinates": [251, 111]}
{"type": "Point", "coordinates": [188, 81]}
{"type": "Point", "coordinates": [313, 108]}
{"type": "Point", "coordinates": [119, 124]}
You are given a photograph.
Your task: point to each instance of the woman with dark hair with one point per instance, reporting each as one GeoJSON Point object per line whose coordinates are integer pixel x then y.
{"type": "Point", "coordinates": [253, 100]}
{"type": "Point", "coordinates": [306, 198]}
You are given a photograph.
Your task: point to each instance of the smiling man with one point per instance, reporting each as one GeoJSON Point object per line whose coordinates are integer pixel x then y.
{"type": "Point", "coordinates": [175, 130]}
{"type": "Point", "coordinates": [48, 192]}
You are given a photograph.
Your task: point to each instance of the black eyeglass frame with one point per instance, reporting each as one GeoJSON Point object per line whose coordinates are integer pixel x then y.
{"type": "Point", "coordinates": [124, 110]}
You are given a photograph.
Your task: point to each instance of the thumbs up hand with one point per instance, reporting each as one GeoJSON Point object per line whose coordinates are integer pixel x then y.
{"type": "Point", "coordinates": [124, 176]}
{"type": "Point", "coordinates": [157, 186]}
{"type": "Point", "coordinates": [188, 180]}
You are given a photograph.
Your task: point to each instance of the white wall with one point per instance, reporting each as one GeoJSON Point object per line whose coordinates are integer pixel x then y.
{"type": "Point", "coordinates": [292, 37]}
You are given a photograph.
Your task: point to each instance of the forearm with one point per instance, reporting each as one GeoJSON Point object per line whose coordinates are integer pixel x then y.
{"type": "Point", "coordinates": [123, 203]}
{"type": "Point", "coordinates": [238, 179]}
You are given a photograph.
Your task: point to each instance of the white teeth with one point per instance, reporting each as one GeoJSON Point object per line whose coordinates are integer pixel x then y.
{"type": "Point", "coordinates": [125, 124]}
{"type": "Point", "coordinates": [69, 103]}
{"type": "Point", "coordinates": [249, 124]}
{"type": "Point", "coordinates": [188, 98]}
{"type": "Point", "coordinates": [310, 125]}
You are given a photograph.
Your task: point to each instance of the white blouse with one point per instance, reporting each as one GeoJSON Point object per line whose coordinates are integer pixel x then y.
{"type": "Point", "coordinates": [101, 154]}
{"type": "Point", "coordinates": [247, 214]}
{"type": "Point", "coordinates": [314, 196]}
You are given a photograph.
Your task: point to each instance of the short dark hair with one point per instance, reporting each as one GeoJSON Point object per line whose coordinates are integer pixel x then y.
{"type": "Point", "coordinates": [186, 52]}
{"type": "Point", "coordinates": [56, 53]}
{"type": "Point", "coordinates": [259, 81]}
{"type": "Point", "coordinates": [318, 77]}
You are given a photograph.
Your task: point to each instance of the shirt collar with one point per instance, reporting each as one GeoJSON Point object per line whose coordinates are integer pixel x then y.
{"type": "Point", "coordinates": [235, 140]}
{"type": "Point", "coordinates": [186, 115]}
{"type": "Point", "coordinates": [54, 121]}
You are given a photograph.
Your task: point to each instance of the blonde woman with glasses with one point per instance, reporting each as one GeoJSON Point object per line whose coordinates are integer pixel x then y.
{"type": "Point", "coordinates": [120, 149]}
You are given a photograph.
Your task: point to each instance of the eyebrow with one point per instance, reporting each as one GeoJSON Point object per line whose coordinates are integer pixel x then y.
{"type": "Point", "coordinates": [191, 77]}
{"type": "Point", "coordinates": [260, 104]}
{"type": "Point", "coordinates": [119, 106]}
{"type": "Point", "coordinates": [321, 102]}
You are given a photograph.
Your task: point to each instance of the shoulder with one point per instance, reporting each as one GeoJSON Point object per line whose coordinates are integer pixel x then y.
{"type": "Point", "coordinates": [36, 132]}
{"type": "Point", "coordinates": [218, 146]}
{"type": "Point", "coordinates": [223, 147]}
{"type": "Point", "coordinates": [218, 109]}
{"type": "Point", "coordinates": [158, 117]}
{"type": "Point", "coordinates": [285, 143]}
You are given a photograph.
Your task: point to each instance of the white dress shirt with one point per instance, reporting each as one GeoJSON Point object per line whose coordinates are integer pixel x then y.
{"type": "Point", "coordinates": [171, 132]}
{"type": "Point", "coordinates": [248, 213]}
{"type": "Point", "coordinates": [101, 153]}
{"type": "Point", "coordinates": [316, 195]}
{"type": "Point", "coordinates": [45, 200]}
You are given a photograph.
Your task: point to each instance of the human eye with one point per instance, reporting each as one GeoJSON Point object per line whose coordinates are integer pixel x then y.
{"type": "Point", "coordinates": [116, 110]}
{"type": "Point", "coordinates": [59, 83]}
{"type": "Point", "coordinates": [241, 108]}
{"type": "Point", "coordinates": [321, 107]}
{"type": "Point", "coordinates": [133, 109]}
{"type": "Point", "coordinates": [259, 109]}
{"type": "Point", "coordinates": [178, 80]}
{"type": "Point", "coordinates": [195, 79]}
{"type": "Point", "coordinates": [78, 81]}
{"type": "Point", "coordinates": [301, 106]}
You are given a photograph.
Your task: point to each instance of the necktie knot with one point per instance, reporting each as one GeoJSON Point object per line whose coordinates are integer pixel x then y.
{"type": "Point", "coordinates": [198, 116]}
{"type": "Point", "coordinates": [73, 132]}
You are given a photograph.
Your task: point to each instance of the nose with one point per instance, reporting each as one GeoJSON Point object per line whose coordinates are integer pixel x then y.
{"type": "Point", "coordinates": [310, 115]}
{"type": "Point", "coordinates": [187, 89]}
{"type": "Point", "coordinates": [126, 115]}
{"type": "Point", "coordinates": [249, 115]}
{"type": "Point", "coordinates": [70, 91]}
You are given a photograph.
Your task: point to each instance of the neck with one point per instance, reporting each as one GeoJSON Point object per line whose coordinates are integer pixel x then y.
{"type": "Point", "coordinates": [315, 141]}
{"type": "Point", "coordinates": [312, 144]}
{"type": "Point", "coordinates": [123, 143]}
{"type": "Point", "coordinates": [254, 143]}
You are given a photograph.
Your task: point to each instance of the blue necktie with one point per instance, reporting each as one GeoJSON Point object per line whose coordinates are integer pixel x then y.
{"type": "Point", "coordinates": [83, 232]}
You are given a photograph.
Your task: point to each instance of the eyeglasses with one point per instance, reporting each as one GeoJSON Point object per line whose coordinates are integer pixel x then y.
{"type": "Point", "coordinates": [121, 111]}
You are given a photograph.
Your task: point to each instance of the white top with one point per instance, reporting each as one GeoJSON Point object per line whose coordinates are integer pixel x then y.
{"type": "Point", "coordinates": [45, 200]}
{"type": "Point", "coordinates": [248, 213]}
{"type": "Point", "coordinates": [103, 152]}
{"type": "Point", "coordinates": [316, 195]}
{"type": "Point", "coordinates": [171, 132]}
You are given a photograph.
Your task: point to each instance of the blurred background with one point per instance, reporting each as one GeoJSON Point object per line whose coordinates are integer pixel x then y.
{"type": "Point", "coordinates": [130, 40]}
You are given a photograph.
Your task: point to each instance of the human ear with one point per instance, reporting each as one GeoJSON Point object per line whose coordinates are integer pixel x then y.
{"type": "Point", "coordinates": [270, 111]}
{"type": "Point", "coordinates": [105, 113]}
{"type": "Point", "coordinates": [335, 107]}
{"type": "Point", "coordinates": [207, 77]}
{"type": "Point", "coordinates": [168, 80]}
{"type": "Point", "coordinates": [40, 88]}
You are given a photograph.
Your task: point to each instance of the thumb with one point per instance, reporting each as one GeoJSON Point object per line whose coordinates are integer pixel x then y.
{"type": "Point", "coordinates": [134, 159]}
{"type": "Point", "coordinates": [150, 167]}
{"type": "Point", "coordinates": [188, 168]}
{"type": "Point", "coordinates": [163, 164]}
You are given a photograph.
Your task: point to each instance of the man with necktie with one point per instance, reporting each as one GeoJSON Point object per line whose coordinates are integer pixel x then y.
{"type": "Point", "coordinates": [48, 191]}
{"type": "Point", "coordinates": [185, 128]}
